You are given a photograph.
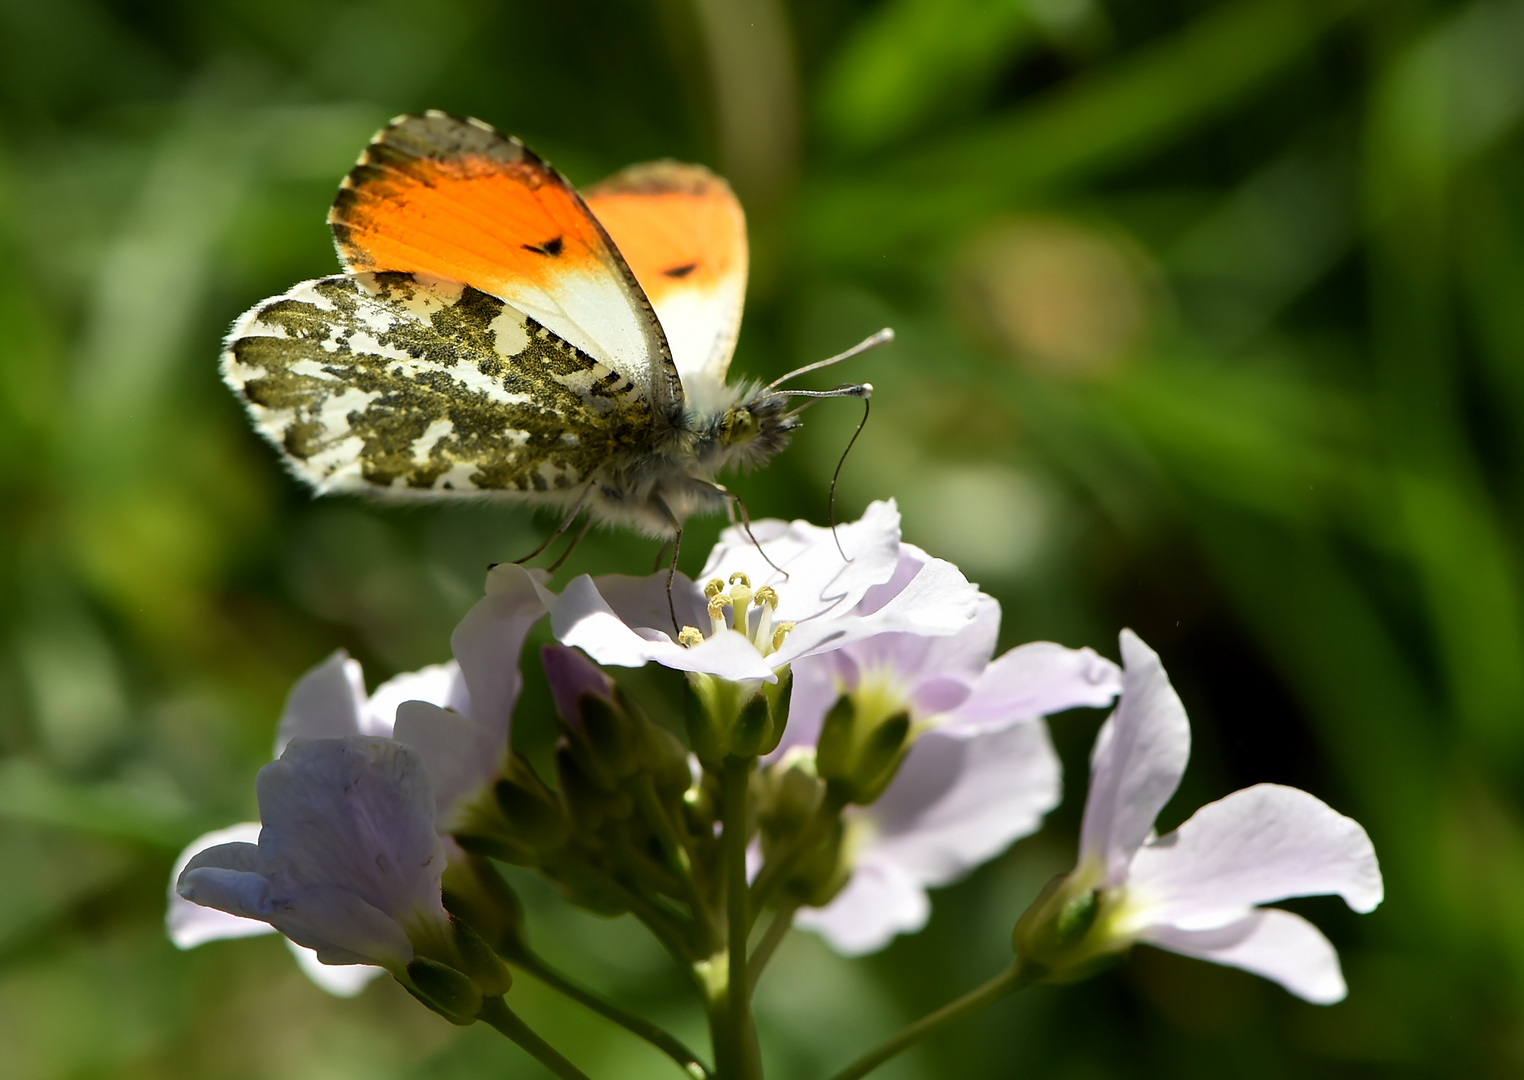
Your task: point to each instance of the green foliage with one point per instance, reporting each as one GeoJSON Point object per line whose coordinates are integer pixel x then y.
{"type": "Point", "coordinates": [1209, 324]}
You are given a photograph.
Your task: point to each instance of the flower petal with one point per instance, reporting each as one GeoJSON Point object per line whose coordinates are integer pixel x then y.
{"type": "Point", "coordinates": [1034, 680]}
{"type": "Point", "coordinates": [878, 902]}
{"type": "Point", "coordinates": [459, 757]}
{"type": "Point", "coordinates": [1258, 845]}
{"type": "Point", "coordinates": [1275, 944]}
{"type": "Point", "coordinates": [325, 703]}
{"type": "Point", "coordinates": [958, 802]}
{"type": "Point", "coordinates": [817, 582]}
{"type": "Point", "coordinates": [1139, 757]}
{"type": "Point", "coordinates": [191, 924]}
{"type": "Point", "coordinates": [439, 684]}
{"type": "Point", "coordinates": [488, 641]}
{"type": "Point", "coordinates": [583, 618]}
{"type": "Point", "coordinates": [340, 980]}
{"type": "Point", "coordinates": [356, 814]}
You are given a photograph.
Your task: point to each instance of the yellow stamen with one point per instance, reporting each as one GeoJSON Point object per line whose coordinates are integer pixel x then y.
{"type": "Point", "coordinates": [717, 606]}
{"type": "Point", "coordinates": [778, 634]}
{"type": "Point", "coordinates": [714, 588]}
{"type": "Point", "coordinates": [766, 595]}
{"type": "Point", "coordinates": [689, 636]}
{"type": "Point", "coordinates": [741, 577]}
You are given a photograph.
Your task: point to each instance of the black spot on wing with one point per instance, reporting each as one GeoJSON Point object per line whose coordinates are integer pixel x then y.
{"type": "Point", "coordinates": [550, 247]}
{"type": "Point", "coordinates": [680, 272]}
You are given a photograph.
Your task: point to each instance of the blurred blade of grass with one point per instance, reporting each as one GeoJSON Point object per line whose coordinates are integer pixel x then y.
{"type": "Point", "coordinates": [1095, 121]}
{"type": "Point", "coordinates": [30, 792]}
{"type": "Point", "coordinates": [1270, 442]}
{"type": "Point", "coordinates": [1417, 137]}
{"type": "Point", "coordinates": [909, 60]}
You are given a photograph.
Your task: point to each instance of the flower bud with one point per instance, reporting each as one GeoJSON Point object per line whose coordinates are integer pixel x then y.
{"type": "Point", "coordinates": [590, 803]}
{"type": "Point", "coordinates": [737, 719]}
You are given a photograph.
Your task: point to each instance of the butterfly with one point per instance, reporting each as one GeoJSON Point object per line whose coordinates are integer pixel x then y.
{"type": "Point", "coordinates": [496, 333]}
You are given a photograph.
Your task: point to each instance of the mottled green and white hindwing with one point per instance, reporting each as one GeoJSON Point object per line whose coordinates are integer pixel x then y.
{"type": "Point", "coordinates": [403, 385]}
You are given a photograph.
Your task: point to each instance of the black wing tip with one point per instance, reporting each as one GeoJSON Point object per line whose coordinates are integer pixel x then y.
{"type": "Point", "coordinates": [438, 134]}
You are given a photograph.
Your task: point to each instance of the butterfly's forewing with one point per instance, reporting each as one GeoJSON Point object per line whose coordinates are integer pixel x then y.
{"type": "Point", "coordinates": [399, 384]}
{"type": "Point", "coordinates": [683, 233]}
{"type": "Point", "coordinates": [451, 198]}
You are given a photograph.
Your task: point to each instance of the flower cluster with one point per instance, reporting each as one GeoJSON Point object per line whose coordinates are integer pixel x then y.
{"type": "Point", "coordinates": [853, 741]}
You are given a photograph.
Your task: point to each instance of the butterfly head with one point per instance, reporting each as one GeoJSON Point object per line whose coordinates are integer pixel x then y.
{"type": "Point", "coordinates": [755, 428]}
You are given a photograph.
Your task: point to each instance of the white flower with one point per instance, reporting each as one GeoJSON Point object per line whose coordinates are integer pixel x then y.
{"type": "Point", "coordinates": [810, 607]}
{"type": "Point", "coordinates": [980, 774]}
{"type": "Point", "coordinates": [455, 715]}
{"type": "Point", "coordinates": [1196, 890]}
{"type": "Point", "coordinates": [348, 862]}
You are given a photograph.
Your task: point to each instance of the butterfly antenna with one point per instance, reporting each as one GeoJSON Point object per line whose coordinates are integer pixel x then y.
{"type": "Point", "coordinates": [835, 476]}
{"type": "Point", "coordinates": [586, 525]}
{"type": "Point", "coordinates": [872, 341]}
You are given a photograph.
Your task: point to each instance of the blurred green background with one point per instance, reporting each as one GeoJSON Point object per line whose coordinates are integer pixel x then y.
{"type": "Point", "coordinates": [1210, 324]}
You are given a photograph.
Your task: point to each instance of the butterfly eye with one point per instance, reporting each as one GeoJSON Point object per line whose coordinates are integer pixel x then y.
{"type": "Point", "coordinates": [740, 427]}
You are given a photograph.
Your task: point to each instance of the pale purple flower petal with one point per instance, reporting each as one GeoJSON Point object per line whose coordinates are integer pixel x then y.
{"type": "Point", "coordinates": [955, 803]}
{"type": "Point", "coordinates": [1258, 845]}
{"type": "Point", "coordinates": [347, 859]}
{"type": "Point", "coordinates": [459, 756]}
{"type": "Point", "coordinates": [326, 703]}
{"type": "Point", "coordinates": [487, 644]}
{"type": "Point", "coordinates": [439, 684]}
{"type": "Point", "coordinates": [1139, 758]}
{"type": "Point", "coordinates": [879, 901]}
{"type": "Point", "coordinates": [1275, 944]}
{"type": "Point", "coordinates": [191, 924]}
{"type": "Point", "coordinates": [1034, 680]}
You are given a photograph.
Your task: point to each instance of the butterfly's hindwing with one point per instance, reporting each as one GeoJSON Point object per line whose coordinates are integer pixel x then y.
{"type": "Point", "coordinates": [398, 384]}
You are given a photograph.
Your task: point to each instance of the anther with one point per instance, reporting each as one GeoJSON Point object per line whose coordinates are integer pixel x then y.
{"type": "Point", "coordinates": [717, 606]}
{"type": "Point", "coordinates": [740, 575]}
{"type": "Point", "coordinates": [689, 636]}
{"type": "Point", "coordinates": [767, 603]}
{"type": "Point", "coordinates": [780, 633]}
{"type": "Point", "coordinates": [714, 588]}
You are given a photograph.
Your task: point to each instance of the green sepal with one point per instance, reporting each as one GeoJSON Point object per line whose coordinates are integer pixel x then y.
{"type": "Point", "coordinates": [480, 962]}
{"type": "Point", "coordinates": [833, 750]}
{"type": "Point", "coordinates": [448, 992]}
{"type": "Point", "coordinates": [752, 728]}
{"type": "Point", "coordinates": [879, 759]}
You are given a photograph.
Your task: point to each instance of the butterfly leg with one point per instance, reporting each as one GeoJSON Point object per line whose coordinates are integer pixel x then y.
{"type": "Point", "coordinates": [734, 502]}
{"type": "Point", "coordinates": [586, 525]}
{"type": "Point", "coordinates": [561, 528]}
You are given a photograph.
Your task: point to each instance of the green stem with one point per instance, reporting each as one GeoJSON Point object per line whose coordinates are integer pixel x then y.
{"type": "Point", "coordinates": [532, 963]}
{"type": "Point", "coordinates": [736, 1055]}
{"type": "Point", "coordinates": [783, 918]}
{"type": "Point", "coordinates": [1009, 981]}
{"type": "Point", "coordinates": [496, 1013]}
